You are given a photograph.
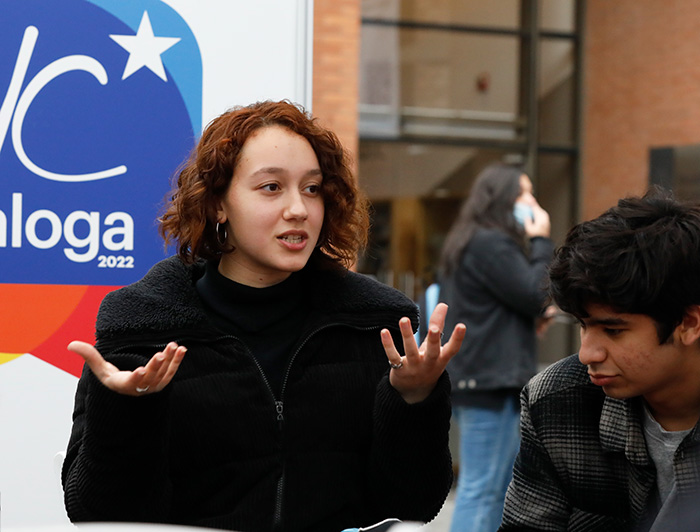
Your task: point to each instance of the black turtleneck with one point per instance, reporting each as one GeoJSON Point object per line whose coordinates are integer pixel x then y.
{"type": "Point", "coordinates": [268, 320]}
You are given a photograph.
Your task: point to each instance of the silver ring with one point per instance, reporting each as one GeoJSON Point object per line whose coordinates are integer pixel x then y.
{"type": "Point", "coordinates": [141, 390]}
{"type": "Point", "coordinates": [396, 366]}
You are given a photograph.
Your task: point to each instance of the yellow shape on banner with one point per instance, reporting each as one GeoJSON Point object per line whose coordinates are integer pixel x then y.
{"type": "Point", "coordinates": [6, 357]}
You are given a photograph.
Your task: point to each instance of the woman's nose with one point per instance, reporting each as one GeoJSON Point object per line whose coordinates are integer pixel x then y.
{"type": "Point", "coordinates": [295, 208]}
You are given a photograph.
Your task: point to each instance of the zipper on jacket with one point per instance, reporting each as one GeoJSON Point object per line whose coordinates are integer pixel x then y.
{"type": "Point", "coordinates": [279, 414]}
{"type": "Point", "coordinates": [277, 519]}
{"type": "Point", "coordinates": [308, 337]}
{"type": "Point", "coordinates": [279, 404]}
{"type": "Point", "coordinates": [279, 407]}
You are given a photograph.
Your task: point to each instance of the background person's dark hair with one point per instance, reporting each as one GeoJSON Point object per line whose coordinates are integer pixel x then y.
{"type": "Point", "coordinates": [640, 257]}
{"type": "Point", "coordinates": [489, 205]}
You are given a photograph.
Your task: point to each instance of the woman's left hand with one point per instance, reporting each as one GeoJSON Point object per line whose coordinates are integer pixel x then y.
{"type": "Point", "coordinates": [414, 375]}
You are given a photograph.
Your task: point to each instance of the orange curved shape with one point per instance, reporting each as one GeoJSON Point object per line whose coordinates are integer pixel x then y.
{"type": "Point", "coordinates": [80, 325]}
{"type": "Point", "coordinates": [31, 313]}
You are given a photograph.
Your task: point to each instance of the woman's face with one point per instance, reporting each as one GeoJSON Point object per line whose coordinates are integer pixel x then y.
{"type": "Point", "coordinates": [526, 195]}
{"type": "Point", "coordinates": [273, 209]}
{"type": "Point", "coordinates": [522, 209]}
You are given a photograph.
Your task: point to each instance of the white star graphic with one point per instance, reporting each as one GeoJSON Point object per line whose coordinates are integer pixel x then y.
{"type": "Point", "coordinates": [144, 49]}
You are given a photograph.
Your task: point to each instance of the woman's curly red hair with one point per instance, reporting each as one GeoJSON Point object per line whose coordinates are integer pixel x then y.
{"type": "Point", "coordinates": [190, 216]}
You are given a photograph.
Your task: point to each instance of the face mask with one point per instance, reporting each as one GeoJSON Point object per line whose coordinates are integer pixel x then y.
{"type": "Point", "coordinates": [522, 212]}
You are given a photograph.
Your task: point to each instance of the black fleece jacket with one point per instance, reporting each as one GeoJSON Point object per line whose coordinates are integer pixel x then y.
{"type": "Point", "coordinates": [336, 448]}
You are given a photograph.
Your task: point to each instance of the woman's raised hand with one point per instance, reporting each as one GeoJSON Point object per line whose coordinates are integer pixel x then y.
{"type": "Point", "coordinates": [414, 375]}
{"type": "Point", "coordinates": [540, 224]}
{"type": "Point", "coordinates": [151, 378]}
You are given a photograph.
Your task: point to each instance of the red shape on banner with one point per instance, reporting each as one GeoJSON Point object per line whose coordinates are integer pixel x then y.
{"type": "Point", "coordinates": [30, 313]}
{"type": "Point", "coordinates": [80, 325]}
{"type": "Point", "coordinates": [43, 319]}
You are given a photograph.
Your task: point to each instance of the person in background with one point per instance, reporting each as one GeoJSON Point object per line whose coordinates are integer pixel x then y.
{"type": "Point", "coordinates": [610, 438]}
{"type": "Point", "coordinates": [492, 272]}
{"type": "Point", "coordinates": [252, 382]}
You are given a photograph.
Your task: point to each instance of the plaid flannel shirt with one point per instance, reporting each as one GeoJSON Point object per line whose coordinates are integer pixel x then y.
{"type": "Point", "coordinates": [583, 463]}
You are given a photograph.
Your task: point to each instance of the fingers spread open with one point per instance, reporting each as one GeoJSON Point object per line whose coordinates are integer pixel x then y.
{"type": "Point", "coordinates": [432, 342]}
{"type": "Point", "coordinates": [410, 348]}
{"type": "Point", "coordinates": [99, 366]}
{"type": "Point", "coordinates": [165, 360]}
{"type": "Point", "coordinates": [161, 368]}
{"type": "Point", "coordinates": [392, 354]}
{"type": "Point", "coordinates": [173, 365]}
{"type": "Point", "coordinates": [437, 318]}
{"type": "Point", "coordinates": [455, 342]}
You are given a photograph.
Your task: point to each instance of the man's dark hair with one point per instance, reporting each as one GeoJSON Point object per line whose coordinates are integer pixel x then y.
{"type": "Point", "coordinates": [640, 257]}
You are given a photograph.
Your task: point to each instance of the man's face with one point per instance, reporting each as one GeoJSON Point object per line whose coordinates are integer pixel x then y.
{"type": "Point", "coordinates": [624, 357]}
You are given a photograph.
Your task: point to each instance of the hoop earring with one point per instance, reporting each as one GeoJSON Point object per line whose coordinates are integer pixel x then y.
{"type": "Point", "coordinates": [218, 234]}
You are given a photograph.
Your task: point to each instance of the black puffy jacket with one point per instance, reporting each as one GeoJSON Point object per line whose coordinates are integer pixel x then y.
{"type": "Point", "coordinates": [337, 448]}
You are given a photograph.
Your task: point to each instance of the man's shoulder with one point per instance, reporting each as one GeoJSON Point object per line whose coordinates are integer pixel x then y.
{"type": "Point", "coordinates": [564, 406]}
{"type": "Point", "coordinates": [561, 378]}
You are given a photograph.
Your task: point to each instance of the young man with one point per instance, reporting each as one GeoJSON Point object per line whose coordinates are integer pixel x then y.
{"type": "Point", "coordinates": [610, 440]}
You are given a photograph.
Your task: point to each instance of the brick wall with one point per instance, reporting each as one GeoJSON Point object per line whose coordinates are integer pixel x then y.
{"type": "Point", "coordinates": [336, 68]}
{"type": "Point", "coordinates": [641, 90]}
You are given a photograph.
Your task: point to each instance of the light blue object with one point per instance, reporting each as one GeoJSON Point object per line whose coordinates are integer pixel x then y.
{"type": "Point", "coordinates": [431, 299]}
{"type": "Point", "coordinates": [522, 212]}
{"type": "Point", "coordinates": [432, 293]}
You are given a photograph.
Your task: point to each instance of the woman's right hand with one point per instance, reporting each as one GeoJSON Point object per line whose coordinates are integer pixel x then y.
{"type": "Point", "coordinates": [540, 224]}
{"type": "Point", "coordinates": [151, 378]}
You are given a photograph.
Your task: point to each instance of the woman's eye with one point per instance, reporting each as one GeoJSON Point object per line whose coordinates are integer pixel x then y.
{"type": "Point", "coordinates": [313, 189]}
{"type": "Point", "coordinates": [271, 187]}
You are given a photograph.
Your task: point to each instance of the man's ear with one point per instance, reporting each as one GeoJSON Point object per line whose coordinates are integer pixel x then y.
{"type": "Point", "coordinates": [689, 329]}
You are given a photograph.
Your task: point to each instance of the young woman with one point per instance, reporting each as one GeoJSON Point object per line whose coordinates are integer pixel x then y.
{"type": "Point", "coordinates": [286, 392]}
{"type": "Point", "coordinates": [493, 268]}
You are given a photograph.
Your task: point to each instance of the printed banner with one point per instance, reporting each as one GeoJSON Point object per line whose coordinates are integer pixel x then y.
{"type": "Point", "coordinates": [100, 103]}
